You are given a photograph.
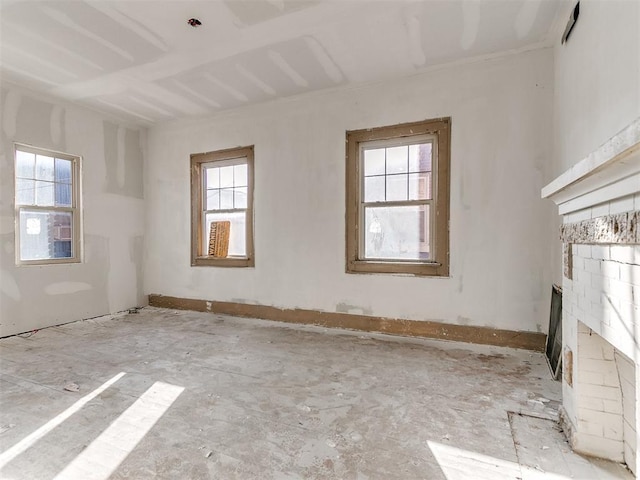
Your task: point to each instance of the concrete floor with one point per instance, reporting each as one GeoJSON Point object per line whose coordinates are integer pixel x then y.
{"type": "Point", "coordinates": [184, 395]}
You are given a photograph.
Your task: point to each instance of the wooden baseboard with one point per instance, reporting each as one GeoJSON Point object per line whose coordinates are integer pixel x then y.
{"type": "Point", "coordinates": [411, 328]}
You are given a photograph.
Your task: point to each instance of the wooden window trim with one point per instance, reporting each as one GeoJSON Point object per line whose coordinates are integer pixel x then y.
{"type": "Point", "coordinates": [197, 160]}
{"type": "Point", "coordinates": [441, 128]}
{"type": "Point", "coordinates": [75, 209]}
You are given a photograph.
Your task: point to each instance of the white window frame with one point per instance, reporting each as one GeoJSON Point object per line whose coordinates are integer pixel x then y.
{"type": "Point", "coordinates": [75, 208]}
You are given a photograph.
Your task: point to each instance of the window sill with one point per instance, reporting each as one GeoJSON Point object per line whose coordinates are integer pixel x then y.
{"type": "Point", "coordinates": [222, 262]}
{"type": "Point", "coordinates": [409, 268]}
{"type": "Point", "coordinates": [47, 262]}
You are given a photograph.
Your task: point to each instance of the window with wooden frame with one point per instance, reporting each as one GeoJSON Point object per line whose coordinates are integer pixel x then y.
{"type": "Point", "coordinates": [222, 208]}
{"type": "Point", "coordinates": [47, 207]}
{"type": "Point", "coordinates": [398, 199]}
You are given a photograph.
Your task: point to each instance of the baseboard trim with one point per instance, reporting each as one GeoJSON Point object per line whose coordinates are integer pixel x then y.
{"type": "Point", "coordinates": [394, 326]}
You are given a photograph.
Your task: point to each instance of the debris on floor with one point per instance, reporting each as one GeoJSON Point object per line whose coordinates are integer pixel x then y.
{"type": "Point", "coordinates": [5, 428]}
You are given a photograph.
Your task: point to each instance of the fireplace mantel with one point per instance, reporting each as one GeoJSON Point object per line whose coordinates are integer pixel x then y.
{"type": "Point", "coordinates": [610, 172]}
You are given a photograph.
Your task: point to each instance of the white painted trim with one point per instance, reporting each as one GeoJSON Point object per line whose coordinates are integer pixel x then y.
{"type": "Point", "coordinates": [619, 189]}
{"type": "Point", "coordinates": [610, 172]}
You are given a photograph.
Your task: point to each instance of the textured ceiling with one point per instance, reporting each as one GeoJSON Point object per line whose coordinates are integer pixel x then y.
{"type": "Point", "coordinates": [140, 60]}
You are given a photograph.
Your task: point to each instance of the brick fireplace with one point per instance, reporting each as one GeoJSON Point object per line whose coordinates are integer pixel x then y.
{"type": "Point", "coordinates": [599, 201]}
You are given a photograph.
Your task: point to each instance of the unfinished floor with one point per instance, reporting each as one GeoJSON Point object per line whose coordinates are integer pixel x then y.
{"type": "Point", "coordinates": [184, 395]}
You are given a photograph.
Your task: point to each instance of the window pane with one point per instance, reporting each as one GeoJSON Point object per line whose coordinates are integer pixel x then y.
{"type": "Point", "coordinates": [240, 175]}
{"type": "Point", "coordinates": [226, 177]}
{"type": "Point", "coordinates": [397, 160]}
{"type": "Point", "coordinates": [420, 186]}
{"type": "Point", "coordinates": [237, 234]}
{"type": "Point", "coordinates": [396, 187]}
{"type": "Point", "coordinates": [25, 164]}
{"type": "Point", "coordinates": [25, 192]}
{"type": "Point", "coordinates": [44, 193]}
{"type": "Point", "coordinates": [240, 197]}
{"type": "Point", "coordinates": [63, 171]}
{"type": "Point", "coordinates": [213, 177]}
{"type": "Point", "coordinates": [226, 199]}
{"type": "Point", "coordinates": [374, 162]}
{"type": "Point", "coordinates": [374, 189]}
{"type": "Point", "coordinates": [63, 194]}
{"type": "Point", "coordinates": [397, 233]}
{"type": "Point", "coordinates": [213, 199]}
{"type": "Point", "coordinates": [420, 158]}
{"type": "Point", "coordinates": [44, 168]}
{"type": "Point", "coordinates": [45, 235]}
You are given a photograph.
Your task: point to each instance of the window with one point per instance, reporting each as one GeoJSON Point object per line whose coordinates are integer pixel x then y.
{"type": "Point", "coordinates": [398, 199]}
{"type": "Point", "coordinates": [47, 206]}
{"type": "Point", "coordinates": [222, 208]}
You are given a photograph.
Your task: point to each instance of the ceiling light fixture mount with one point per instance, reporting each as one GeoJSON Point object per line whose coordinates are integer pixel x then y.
{"type": "Point", "coordinates": [194, 22]}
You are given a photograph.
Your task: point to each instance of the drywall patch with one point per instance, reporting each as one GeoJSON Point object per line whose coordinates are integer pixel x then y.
{"type": "Point", "coordinates": [34, 119]}
{"type": "Point", "coordinates": [10, 108]}
{"type": "Point", "coordinates": [57, 124]}
{"type": "Point", "coordinates": [328, 64]}
{"type": "Point", "coordinates": [7, 257]}
{"type": "Point", "coordinates": [123, 160]}
{"type": "Point", "coordinates": [471, 20]}
{"type": "Point", "coordinates": [251, 13]}
{"type": "Point", "coordinates": [136, 255]}
{"type": "Point", "coordinates": [8, 286]}
{"type": "Point", "coordinates": [7, 224]}
{"type": "Point", "coordinates": [120, 140]}
{"type": "Point", "coordinates": [94, 271]}
{"type": "Point", "coordinates": [64, 288]}
{"type": "Point", "coordinates": [527, 16]}
{"type": "Point", "coordinates": [343, 307]}
{"type": "Point", "coordinates": [6, 189]}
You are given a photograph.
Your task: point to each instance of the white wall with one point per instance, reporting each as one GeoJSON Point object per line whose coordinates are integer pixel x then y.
{"type": "Point", "coordinates": [110, 277]}
{"type": "Point", "coordinates": [500, 254]}
{"type": "Point", "coordinates": [597, 79]}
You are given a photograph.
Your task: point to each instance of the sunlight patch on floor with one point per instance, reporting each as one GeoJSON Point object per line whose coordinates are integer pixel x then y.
{"type": "Point", "coordinates": [103, 456]}
{"type": "Point", "coordinates": [460, 464]}
{"type": "Point", "coordinates": [32, 438]}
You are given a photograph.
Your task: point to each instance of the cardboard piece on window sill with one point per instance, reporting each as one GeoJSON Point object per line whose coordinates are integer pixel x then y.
{"type": "Point", "coordinates": [219, 239]}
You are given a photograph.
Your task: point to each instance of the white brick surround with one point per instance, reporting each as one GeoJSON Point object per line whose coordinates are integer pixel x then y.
{"type": "Point", "coordinates": [599, 200]}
